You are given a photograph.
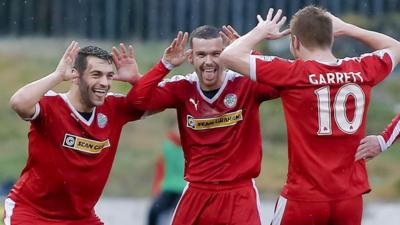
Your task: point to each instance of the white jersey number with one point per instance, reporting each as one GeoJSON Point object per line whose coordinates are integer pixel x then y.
{"type": "Point", "coordinates": [339, 109]}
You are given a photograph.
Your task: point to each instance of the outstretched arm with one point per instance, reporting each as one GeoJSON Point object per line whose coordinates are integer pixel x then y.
{"type": "Point", "coordinates": [25, 99]}
{"type": "Point", "coordinates": [374, 40]}
{"type": "Point", "coordinates": [236, 55]}
{"type": "Point", "coordinates": [146, 94]}
{"type": "Point", "coordinates": [371, 146]}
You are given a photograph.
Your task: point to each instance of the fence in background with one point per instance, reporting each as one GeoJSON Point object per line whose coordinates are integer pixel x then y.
{"type": "Point", "coordinates": [153, 19]}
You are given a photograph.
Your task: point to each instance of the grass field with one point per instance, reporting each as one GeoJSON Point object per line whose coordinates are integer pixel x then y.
{"type": "Point", "coordinates": [25, 60]}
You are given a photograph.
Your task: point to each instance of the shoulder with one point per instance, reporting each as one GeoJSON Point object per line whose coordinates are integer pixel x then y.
{"type": "Point", "coordinates": [378, 54]}
{"type": "Point", "coordinates": [190, 78]}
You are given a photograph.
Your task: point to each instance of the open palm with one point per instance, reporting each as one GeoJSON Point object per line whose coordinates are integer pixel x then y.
{"type": "Point", "coordinates": [66, 64]}
{"type": "Point", "coordinates": [175, 53]}
{"type": "Point", "coordinates": [125, 62]}
{"type": "Point", "coordinates": [271, 26]}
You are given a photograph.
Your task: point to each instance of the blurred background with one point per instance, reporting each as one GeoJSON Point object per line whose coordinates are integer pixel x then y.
{"type": "Point", "coordinates": [35, 33]}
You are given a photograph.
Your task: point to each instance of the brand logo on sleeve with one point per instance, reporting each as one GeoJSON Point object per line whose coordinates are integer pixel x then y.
{"type": "Point", "coordinates": [84, 145]}
{"type": "Point", "coordinates": [228, 119]}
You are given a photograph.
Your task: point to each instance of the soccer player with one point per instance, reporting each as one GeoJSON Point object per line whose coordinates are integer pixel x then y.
{"type": "Point", "coordinates": [73, 137]}
{"type": "Point", "coordinates": [325, 100]}
{"type": "Point", "coordinates": [218, 117]}
{"type": "Point", "coordinates": [373, 145]}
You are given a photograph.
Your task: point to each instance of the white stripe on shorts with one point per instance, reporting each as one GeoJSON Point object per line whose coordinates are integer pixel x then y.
{"type": "Point", "coordinates": [258, 198]}
{"type": "Point", "coordinates": [8, 208]}
{"type": "Point", "coordinates": [280, 209]}
{"type": "Point", "coordinates": [183, 192]}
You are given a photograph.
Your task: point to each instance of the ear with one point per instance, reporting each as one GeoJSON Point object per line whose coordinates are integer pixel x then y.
{"type": "Point", "coordinates": [75, 75]}
{"type": "Point", "coordinates": [190, 55]}
{"type": "Point", "coordinates": [296, 42]}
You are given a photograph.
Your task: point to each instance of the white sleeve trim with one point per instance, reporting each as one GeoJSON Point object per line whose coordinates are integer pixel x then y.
{"type": "Point", "coordinates": [394, 63]}
{"type": "Point", "coordinates": [391, 55]}
{"type": "Point", "coordinates": [252, 63]}
{"type": "Point", "coordinates": [35, 115]}
{"type": "Point", "coordinates": [382, 143]}
{"type": "Point", "coordinates": [167, 64]}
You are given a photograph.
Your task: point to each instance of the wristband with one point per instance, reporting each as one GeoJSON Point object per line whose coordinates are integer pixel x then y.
{"type": "Point", "coordinates": [167, 64]}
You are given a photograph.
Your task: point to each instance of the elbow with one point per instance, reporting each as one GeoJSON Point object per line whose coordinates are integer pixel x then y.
{"type": "Point", "coordinates": [15, 103]}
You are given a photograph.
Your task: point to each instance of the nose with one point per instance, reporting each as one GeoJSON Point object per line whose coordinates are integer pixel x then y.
{"type": "Point", "coordinates": [209, 59]}
{"type": "Point", "coordinates": [104, 81]}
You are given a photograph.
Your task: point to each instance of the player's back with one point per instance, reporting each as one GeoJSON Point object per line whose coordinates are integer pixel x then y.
{"type": "Point", "coordinates": [326, 114]}
{"type": "Point", "coordinates": [325, 107]}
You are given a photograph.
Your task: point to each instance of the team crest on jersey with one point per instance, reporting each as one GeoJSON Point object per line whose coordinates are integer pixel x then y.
{"type": "Point", "coordinates": [230, 100]}
{"type": "Point", "coordinates": [101, 120]}
{"type": "Point", "coordinates": [228, 119]}
{"type": "Point", "coordinates": [84, 145]}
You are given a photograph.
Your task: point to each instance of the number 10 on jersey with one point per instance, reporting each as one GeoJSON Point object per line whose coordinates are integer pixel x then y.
{"type": "Point", "coordinates": [338, 108]}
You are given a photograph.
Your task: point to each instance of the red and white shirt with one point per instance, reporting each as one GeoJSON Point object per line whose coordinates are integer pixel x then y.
{"type": "Point", "coordinates": [70, 158]}
{"type": "Point", "coordinates": [325, 108]}
{"type": "Point", "coordinates": [220, 136]}
{"type": "Point", "coordinates": [390, 134]}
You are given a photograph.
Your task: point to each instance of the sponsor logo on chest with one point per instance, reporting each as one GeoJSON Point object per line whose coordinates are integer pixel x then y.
{"type": "Point", "coordinates": [228, 119]}
{"type": "Point", "coordinates": [84, 145]}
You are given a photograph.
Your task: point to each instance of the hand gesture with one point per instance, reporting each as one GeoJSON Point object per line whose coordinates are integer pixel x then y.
{"type": "Point", "coordinates": [369, 148]}
{"type": "Point", "coordinates": [338, 26]}
{"type": "Point", "coordinates": [271, 25]}
{"type": "Point", "coordinates": [228, 35]}
{"type": "Point", "coordinates": [175, 53]}
{"type": "Point", "coordinates": [66, 64]}
{"type": "Point", "coordinates": [125, 62]}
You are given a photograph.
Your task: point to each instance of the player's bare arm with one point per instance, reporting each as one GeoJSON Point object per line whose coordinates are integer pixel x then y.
{"type": "Point", "coordinates": [175, 54]}
{"type": "Point", "coordinates": [125, 63]}
{"type": "Point", "coordinates": [374, 40]}
{"type": "Point", "coordinates": [24, 100]}
{"type": "Point", "coordinates": [236, 55]}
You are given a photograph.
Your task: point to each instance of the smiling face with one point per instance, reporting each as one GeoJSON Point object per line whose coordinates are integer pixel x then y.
{"type": "Point", "coordinates": [95, 81]}
{"type": "Point", "coordinates": [205, 59]}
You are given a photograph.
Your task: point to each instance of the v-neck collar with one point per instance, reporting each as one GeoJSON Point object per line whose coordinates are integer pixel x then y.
{"type": "Point", "coordinates": [76, 113]}
{"type": "Point", "coordinates": [221, 89]}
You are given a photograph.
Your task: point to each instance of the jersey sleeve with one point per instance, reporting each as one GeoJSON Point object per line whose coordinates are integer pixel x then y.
{"type": "Point", "coordinates": [151, 93]}
{"type": "Point", "coordinates": [41, 108]}
{"type": "Point", "coordinates": [265, 92]}
{"type": "Point", "coordinates": [122, 108]}
{"type": "Point", "coordinates": [274, 71]}
{"type": "Point", "coordinates": [378, 65]}
{"type": "Point", "coordinates": [390, 134]}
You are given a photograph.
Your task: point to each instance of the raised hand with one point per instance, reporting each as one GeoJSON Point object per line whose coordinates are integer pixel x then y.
{"type": "Point", "coordinates": [228, 34]}
{"type": "Point", "coordinates": [369, 148]}
{"type": "Point", "coordinates": [339, 27]}
{"type": "Point", "coordinates": [66, 64]}
{"type": "Point", "coordinates": [270, 27]}
{"type": "Point", "coordinates": [125, 62]}
{"type": "Point", "coordinates": [175, 54]}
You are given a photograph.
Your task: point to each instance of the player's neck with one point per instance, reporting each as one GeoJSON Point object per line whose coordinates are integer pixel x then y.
{"type": "Point", "coordinates": [77, 102]}
{"type": "Point", "coordinates": [322, 55]}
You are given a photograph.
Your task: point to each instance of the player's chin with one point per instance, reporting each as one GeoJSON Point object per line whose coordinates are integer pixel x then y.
{"type": "Point", "coordinates": [98, 101]}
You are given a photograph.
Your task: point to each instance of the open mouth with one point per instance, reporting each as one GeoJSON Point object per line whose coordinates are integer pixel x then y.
{"type": "Point", "coordinates": [99, 92]}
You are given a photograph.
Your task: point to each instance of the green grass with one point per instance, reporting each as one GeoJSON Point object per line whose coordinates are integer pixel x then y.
{"type": "Point", "coordinates": [22, 61]}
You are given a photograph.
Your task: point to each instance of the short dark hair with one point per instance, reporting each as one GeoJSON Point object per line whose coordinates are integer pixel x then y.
{"type": "Point", "coordinates": [313, 27]}
{"type": "Point", "coordinates": [81, 59]}
{"type": "Point", "coordinates": [204, 32]}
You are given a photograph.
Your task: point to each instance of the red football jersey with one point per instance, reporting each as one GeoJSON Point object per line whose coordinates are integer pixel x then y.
{"type": "Point", "coordinates": [390, 134]}
{"type": "Point", "coordinates": [220, 136]}
{"type": "Point", "coordinates": [70, 158]}
{"type": "Point", "coordinates": [325, 107]}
